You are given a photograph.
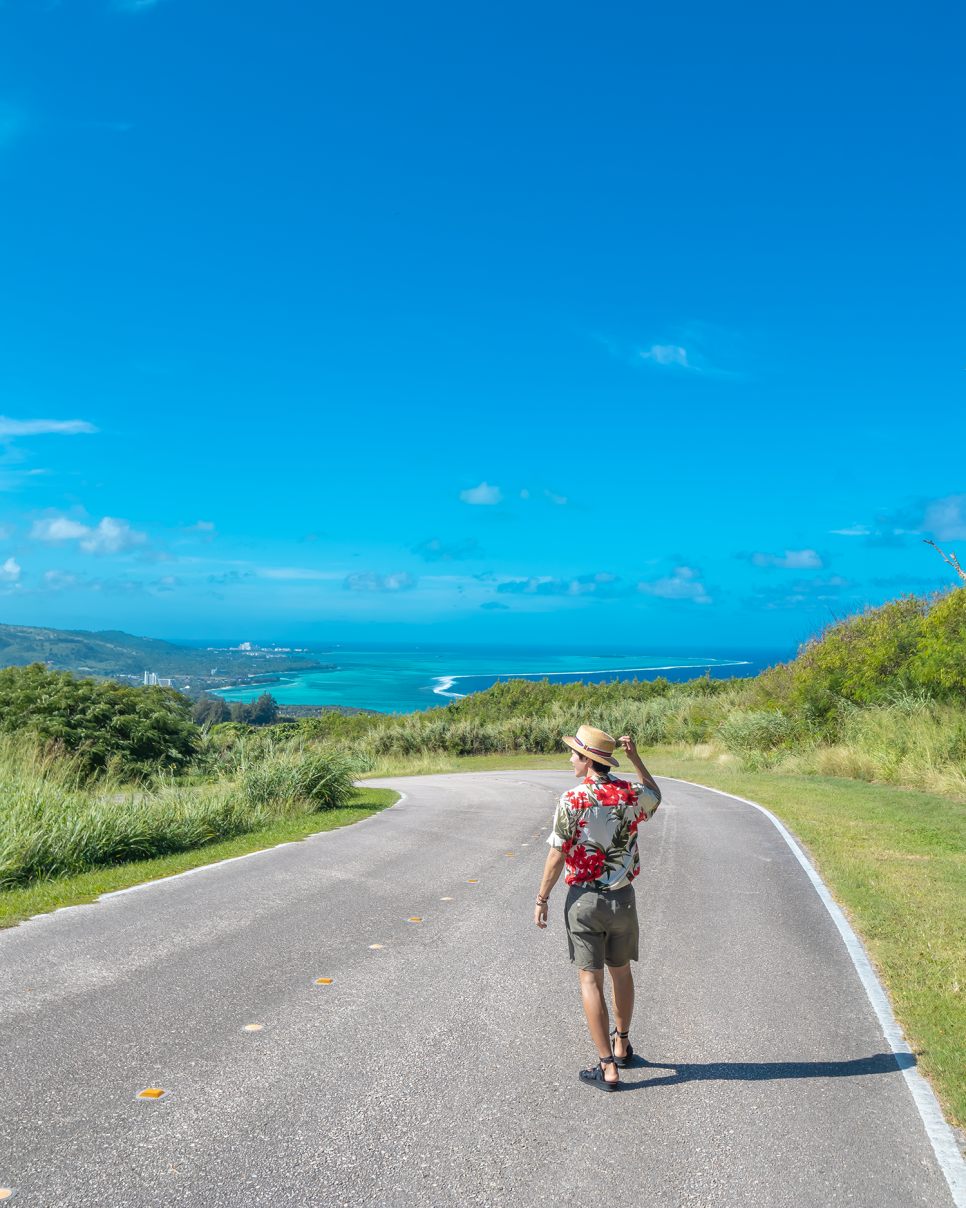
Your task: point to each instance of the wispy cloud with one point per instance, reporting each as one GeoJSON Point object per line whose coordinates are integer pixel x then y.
{"type": "Point", "coordinates": [484, 494]}
{"type": "Point", "coordinates": [946, 518]}
{"type": "Point", "coordinates": [134, 6]}
{"type": "Point", "coordinates": [558, 499]}
{"type": "Point", "coordinates": [10, 571]}
{"type": "Point", "coordinates": [667, 354]}
{"type": "Point", "coordinates": [803, 595]}
{"type": "Point", "coordinates": [61, 580]}
{"type": "Point", "coordinates": [684, 584]}
{"type": "Point", "coordinates": [433, 550]}
{"type": "Point", "coordinates": [943, 519]}
{"type": "Point", "coordinates": [297, 572]}
{"type": "Point", "coordinates": [37, 427]}
{"type": "Point", "coordinates": [491, 604]}
{"type": "Point", "coordinates": [110, 536]}
{"type": "Point", "coordinates": [793, 559]}
{"type": "Point", "coordinates": [369, 581]}
{"type": "Point", "coordinates": [602, 585]}
{"type": "Point", "coordinates": [231, 578]}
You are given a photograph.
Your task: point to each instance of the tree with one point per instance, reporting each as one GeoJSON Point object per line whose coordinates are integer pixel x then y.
{"type": "Point", "coordinates": [139, 730]}
{"type": "Point", "coordinates": [210, 710]}
{"type": "Point", "coordinates": [260, 712]}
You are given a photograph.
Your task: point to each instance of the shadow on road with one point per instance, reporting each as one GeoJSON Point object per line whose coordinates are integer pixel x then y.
{"type": "Point", "coordinates": [768, 1071]}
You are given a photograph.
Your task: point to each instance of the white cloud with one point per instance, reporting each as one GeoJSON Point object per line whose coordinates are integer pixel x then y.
{"type": "Point", "coordinates": [794, 559]}
{"type": "Point", "coordinates": [667, 354]}
{"type": "Point", "coordinates": [857, 530]}
{"type": "Point", "coordinates": [36, 427]}
{"type": "Point", "coordinates": [297, 572]}
{"type": "Point", "coordinates": [560, 499]}
{"type": "Point", "coordinates": [946, 518]}
{"type": "Point", "coordinates": [60, 578]}
{"type": "Point", "coordinates": [524, 494]}
{"type": "Point", "coordinates": [10, 571]}
{"type": "Point", "coordinates": [368, 581]}
{"type": "Point", "coordinates": [682, 585]}
{"type": "Point", "coordinates": [484, 493]}
{"type": "Point", "coordinates": [203, 526]}
{"type": "Point", "coordinates": [111, 536]}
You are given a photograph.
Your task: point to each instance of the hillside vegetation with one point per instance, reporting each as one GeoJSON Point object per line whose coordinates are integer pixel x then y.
{"type": "Point", "coordinates": [111, 652]}
{"type": "Point", "coordinates": [119, 771]}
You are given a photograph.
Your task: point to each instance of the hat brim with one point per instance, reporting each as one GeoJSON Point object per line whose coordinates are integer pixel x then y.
{"type": "Point", "coordinates": [585, 754]}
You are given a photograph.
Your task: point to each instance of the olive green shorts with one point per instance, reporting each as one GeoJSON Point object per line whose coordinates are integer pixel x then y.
{"type": "Point", "coordinates": [601, 927]}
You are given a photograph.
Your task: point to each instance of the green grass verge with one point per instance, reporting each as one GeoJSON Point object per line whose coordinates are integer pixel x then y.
{"type": "Point", "coordinates": [894, 859]}
{"type": "Point", "coordinates": [42, 896]}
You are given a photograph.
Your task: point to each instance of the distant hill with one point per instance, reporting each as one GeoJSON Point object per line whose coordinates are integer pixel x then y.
{"type": "Point", "coordinates": [111, 652]}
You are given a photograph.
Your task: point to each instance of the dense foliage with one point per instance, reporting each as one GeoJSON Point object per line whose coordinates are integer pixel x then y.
{"type": "Point", "coordinates": [911, 644]}
{"type": "Point", "coordinates": [131, 730]}
{"type": "Point", "coordinates": [50, 825]}
{"type": "Point", "coordinates": [213, 711]}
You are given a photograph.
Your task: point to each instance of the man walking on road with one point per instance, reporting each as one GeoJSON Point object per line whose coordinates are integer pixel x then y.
{"type": "Point", "coordinates": [595, 837]}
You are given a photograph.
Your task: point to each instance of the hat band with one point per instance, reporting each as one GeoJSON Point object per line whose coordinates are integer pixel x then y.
{"type": "Point", "coordinates": [593, 750]}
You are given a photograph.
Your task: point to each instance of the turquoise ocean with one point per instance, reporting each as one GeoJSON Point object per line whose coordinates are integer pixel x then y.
{"type": "Point", "coordinates": [403, 681]}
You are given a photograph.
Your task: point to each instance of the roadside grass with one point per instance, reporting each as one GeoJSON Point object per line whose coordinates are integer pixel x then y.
{"type": "Point", "coordinates": [39, 897]}
{"type": "Point", "coordinates": [895, 861]}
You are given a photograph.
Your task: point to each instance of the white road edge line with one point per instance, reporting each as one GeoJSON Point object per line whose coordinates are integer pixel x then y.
{"type": "Point", "coordinates": [116, 893]}
{"type": "Point", "coordinates": [943, 1139]}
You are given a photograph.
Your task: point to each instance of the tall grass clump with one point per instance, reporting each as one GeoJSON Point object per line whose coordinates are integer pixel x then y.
{"type": "Point", "coordinates": [50, 825]}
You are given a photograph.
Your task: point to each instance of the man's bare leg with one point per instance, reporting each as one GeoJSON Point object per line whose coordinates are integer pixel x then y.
{"type": "Point", "coordinates": [622, 983]}
{"type": "Point", "coordinates": [595, 1008]}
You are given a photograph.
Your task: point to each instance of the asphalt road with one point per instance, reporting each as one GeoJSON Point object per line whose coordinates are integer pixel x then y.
{"type": "Point", "coordinates": [441, 1068]}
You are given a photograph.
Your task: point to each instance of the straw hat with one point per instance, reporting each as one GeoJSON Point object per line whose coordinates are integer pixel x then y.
{"type": "Point", "coordinates": [593, 744]}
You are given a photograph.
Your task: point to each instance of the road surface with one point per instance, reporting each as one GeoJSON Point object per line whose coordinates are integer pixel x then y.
{"type": "Point", "coordinates": [439, 1067]}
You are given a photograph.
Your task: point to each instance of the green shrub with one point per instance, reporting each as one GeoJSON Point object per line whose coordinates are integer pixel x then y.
{"type": "Point", "coordinates": [135, 731]}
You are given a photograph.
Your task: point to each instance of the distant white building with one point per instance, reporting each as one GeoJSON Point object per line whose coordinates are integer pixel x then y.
{"type": "Point", "coordinates": [150, 679]}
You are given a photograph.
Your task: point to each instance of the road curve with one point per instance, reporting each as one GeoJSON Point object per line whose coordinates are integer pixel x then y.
{"type": "Point", "coordinates": [440, 1068]}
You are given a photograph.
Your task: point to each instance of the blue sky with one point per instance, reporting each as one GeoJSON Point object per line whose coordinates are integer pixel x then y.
{"type": "Point", "coordinates": [626, 323]}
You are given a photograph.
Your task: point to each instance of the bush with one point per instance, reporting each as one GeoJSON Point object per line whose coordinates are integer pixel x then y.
{"type": "Point", "coordinates": [135, 731]}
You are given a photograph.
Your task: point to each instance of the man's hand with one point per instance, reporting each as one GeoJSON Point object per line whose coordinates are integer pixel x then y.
{"type": "Point", "coordinates": [630, 748]}
{"type": "Point", "coordinates": [540, 915]}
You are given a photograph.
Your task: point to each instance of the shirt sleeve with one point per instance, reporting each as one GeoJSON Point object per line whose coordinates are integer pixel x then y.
{"type": "Point", "coordinates": [563, 825]}
{"type": "Point", "coordinates": [647, 800]}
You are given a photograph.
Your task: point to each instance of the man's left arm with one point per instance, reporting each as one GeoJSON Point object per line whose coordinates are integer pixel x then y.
{"type": "Point", "coordinates": [554, 866]}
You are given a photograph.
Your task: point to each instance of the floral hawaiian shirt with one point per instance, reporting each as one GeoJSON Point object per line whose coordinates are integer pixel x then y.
{"type": "Point", "coordinates": [595, 827]}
